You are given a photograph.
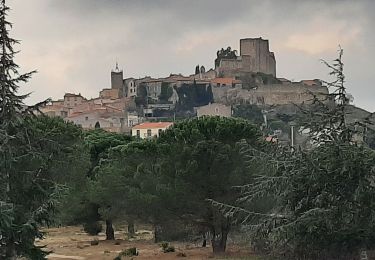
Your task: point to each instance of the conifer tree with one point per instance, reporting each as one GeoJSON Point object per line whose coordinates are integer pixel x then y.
{"type": "Point", "coordinates": [25, 196]}
{"type": "Point", "coordinates": [323, 206]}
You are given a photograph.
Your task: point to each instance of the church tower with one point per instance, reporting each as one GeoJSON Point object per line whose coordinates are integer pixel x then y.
{"type": "Point", "coordinates": [117, 78]}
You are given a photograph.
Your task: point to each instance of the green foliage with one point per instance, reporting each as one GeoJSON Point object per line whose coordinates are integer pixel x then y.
{"type": "Point", "coordinates": [201, 161]}
{"type": "Point", "coordinates": [92, 228]}
{"type": "Point", "coordinates": [249, 112]}
{"type": "Point", "coordinates": [141, 98]}
{"type": "Point", "coordinates": [278, 125]}
{"type": "Point", "coordinates": [323, 206]}
{"type": "Point", "coordinates": [370, 138]}
{"type": "Point", "coordinates": [122, 184]}
{"type": "Point", "coordinates": [85, 202]}
{"type": "Point", "coordinates": [128, 252]}
{"type": "Point", "coordinates": [33, 192]}
{"type": "Point", "coordinates": [166, 92]}
{"type": "Point", "coordinates": [99, 142]}
{"type": "Point", "coordinates": [226, 130]}
{"type": "Point", "coordinates": [169, 179]}
{"type": "Point", "coordinates": [193, 95]}
{"type": "Point", "coordinates": [166, 248]}
{"type": "Point", "coordinates": [197, 70]}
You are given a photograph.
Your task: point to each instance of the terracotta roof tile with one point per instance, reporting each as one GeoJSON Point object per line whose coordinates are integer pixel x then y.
{"type": "Point", "coordinates": [226, 81]}
{"type": "Point", "coordinates": [149, 125]}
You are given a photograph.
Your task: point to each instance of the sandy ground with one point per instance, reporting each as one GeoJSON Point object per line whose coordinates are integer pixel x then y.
{"type": "Point", "coordinates": [72, 243]}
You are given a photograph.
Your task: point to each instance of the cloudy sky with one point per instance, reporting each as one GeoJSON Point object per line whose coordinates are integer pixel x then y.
{"type": "Point", "coordinates": [74, 44]}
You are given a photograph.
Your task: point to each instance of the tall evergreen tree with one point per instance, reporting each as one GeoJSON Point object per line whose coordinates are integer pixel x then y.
{"type": "Point", "coordinates": [11, 106]}
{"type": "Point", "coordinates": [26, 192]}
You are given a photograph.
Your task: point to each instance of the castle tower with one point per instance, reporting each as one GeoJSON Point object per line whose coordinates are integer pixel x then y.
{"type": "Point", "coordinates": [256, 56]}
{"type": "Point", "coordinates": [117, 77]}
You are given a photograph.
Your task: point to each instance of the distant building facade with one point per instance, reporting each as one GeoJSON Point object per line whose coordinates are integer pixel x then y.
{"type": "Point", "coordinates": [104, 118]}
{"type": "Point", "coordinates": [150, 129]}
{"type": "Point", "coordinates": [214, 109]}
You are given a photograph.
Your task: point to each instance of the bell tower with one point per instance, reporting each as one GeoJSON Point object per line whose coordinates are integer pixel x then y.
{"type": "Point", "coordinates": [117, 78]}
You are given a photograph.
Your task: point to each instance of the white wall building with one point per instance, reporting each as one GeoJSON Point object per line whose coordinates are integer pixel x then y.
{"type": "Point", "coordinates": [150, 129]}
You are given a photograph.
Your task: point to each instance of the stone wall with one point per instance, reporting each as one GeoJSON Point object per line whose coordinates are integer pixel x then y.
{"type": "Point", "coordinates": [256, 56]}
{"type": "Point", "coordinates": [117, 79]}
{"type": "Point", "coordinates": [109, 93]}
{"type": "Point", "coordinates": [276, 94]}
{"type": "Point", "coordinates": [229, 67]}
{"type": "Point", "coordinates": [214, 109]}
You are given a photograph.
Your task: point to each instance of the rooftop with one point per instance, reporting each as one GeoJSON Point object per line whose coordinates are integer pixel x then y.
{"type": "Point", "coordinates": [149, 125]}
{"type": "Point", "coordinates": [226, 81]}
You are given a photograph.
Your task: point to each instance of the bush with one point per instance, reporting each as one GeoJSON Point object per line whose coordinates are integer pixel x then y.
{"type": "Point", "coordinates": [166, 248]}
{"type": "Point", "coordinates": [92, 228]}
{"type": "Point", "coordinates": [129, 252]}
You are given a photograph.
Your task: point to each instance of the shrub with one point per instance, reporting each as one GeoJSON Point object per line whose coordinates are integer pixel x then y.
{"type": "Point", "coordinates": [166, 248]}
{"type": "Point", "coordinates": [129, 252]}
{"type": "Point", "coordinates": [92, 228]}
{"type": "Point", "coordinates": [181, 254]}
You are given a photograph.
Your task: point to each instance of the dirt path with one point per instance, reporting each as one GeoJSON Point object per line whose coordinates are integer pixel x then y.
{"type": "Point", "coordinates": [72, 243]}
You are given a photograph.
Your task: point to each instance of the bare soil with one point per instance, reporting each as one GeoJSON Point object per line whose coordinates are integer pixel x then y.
{"type": "Point", "coordinates": [72, 243]}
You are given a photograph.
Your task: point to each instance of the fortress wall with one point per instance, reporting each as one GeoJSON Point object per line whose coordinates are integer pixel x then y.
{"type": "Point", "coordinates": [228, 67]}
{"type": "Point", "coordinates": [230, 64]}
{"type": "Point", "coordinates": [277, 94]}
{"type": "Point", "coordinates": [263, 55]}
{"type": "Point", "coordinates": [271, 64]}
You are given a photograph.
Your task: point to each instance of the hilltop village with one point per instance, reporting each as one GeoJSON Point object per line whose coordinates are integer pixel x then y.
{"type": "Point", "coordinates": [247, 78]}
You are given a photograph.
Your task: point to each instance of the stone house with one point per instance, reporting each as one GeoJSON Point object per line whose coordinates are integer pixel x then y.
{"type": "Point", "coordinates": [214, 109]}
{"type": "Point", "coordinates": [103, 118]}
{"type": "Point", "coordinates": [150, 129]}
{"type": "Point", "coordinates": [72, 100]}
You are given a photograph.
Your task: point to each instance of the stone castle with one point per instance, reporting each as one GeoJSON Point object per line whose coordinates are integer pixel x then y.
{"type": "Point", "coordinates": [255, 56]}
{"type": "Point", "coordinates": [247, 78]}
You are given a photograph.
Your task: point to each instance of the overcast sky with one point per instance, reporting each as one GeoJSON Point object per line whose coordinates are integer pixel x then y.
{"type": "Point", "coordinates": [74, 44]}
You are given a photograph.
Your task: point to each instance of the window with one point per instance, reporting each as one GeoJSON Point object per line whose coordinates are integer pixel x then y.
{"type": "Point", "coordinates": [148, 132]}
{"type": "Point", "coordinates": [138, 133]}
{"type": "Point", "coordinates": [86, 118]}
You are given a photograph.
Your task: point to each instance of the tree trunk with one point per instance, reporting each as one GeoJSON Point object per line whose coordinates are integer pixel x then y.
{"type": "Point", "coordinates": [131, 229]}
{"type": "Point", "coordinates": [157, 233]}
{"type": "Point", "coordinates": [109, 231]}
{"type": "Point", "coordinates": [219, 242]}
{"type": "Point", "coordinates": [10, 250]}
{"type": "Point", "coordinates": [204, 244]}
